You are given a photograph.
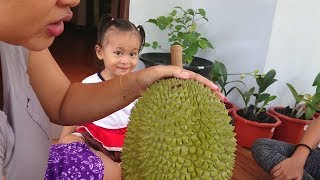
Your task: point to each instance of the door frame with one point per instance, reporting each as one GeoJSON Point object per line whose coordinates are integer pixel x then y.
{"type": "Point", "coordinates": [120, 9]}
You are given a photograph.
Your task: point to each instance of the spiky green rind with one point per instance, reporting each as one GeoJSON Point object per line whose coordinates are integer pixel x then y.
{"type": "Point", "coordinates": [178, 130]}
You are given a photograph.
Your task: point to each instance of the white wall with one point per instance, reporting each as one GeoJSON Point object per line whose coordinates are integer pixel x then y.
{"type": "Point", "coordinates": [142, 10]}
{"type": "Point", "coordinates": [294, 48]}
{"type": "Point", "coordinates": [239, 30]}
{"type": "Point", "coordinates": [249, 34]}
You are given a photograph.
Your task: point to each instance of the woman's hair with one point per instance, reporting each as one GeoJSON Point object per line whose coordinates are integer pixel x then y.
{"type": "Point", "coordinates": [107, 22]}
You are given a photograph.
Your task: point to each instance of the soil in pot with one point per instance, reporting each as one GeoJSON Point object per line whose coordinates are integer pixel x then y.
{"type": "Point", "coordinates": [287, 111]}
{"type": "Point", "coordinates": [260, 118]}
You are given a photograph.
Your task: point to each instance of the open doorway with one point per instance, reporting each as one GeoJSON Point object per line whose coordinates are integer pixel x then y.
{"type": "Point", "coordinates": [74, 48]}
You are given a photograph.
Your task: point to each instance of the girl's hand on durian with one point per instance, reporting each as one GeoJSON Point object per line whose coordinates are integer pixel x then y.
{"type": "Point", "coordinates": [175, 71]}
{"type": "Point", "coordinates": [186, 74]}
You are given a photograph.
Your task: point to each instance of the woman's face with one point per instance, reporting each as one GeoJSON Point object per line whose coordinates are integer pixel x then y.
{"type": "Point", "coordinates": [33, 23]}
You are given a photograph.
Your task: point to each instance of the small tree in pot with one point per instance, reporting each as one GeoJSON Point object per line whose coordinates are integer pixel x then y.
{"type": "Point", "coordinates": [181, 26]}
{"type": "Point", "coordinates": [295, 120]}
{"type": "Point", "coordinates": [252, 121]}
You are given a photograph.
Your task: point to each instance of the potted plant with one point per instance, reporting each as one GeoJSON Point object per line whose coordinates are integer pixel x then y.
{"type": "Point", "coordinates": [181, 26]}
{"type": "Point", "coordinates": [294, 121]}
{"type": "Point", "coordinates": [219, 75]}
{"type": "Point", "coordinates": [253, 122]}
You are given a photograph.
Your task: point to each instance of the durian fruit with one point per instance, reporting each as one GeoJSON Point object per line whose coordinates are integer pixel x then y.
{"type": "Point", "coordinates": [178, 129]}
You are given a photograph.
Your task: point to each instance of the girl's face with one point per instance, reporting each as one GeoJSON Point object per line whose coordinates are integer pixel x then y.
{"type": "Point", "coordinates": [33, 23]}
{"type": "Point", "coordinates": [119, 52]}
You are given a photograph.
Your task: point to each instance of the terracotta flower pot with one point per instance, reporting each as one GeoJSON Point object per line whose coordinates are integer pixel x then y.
{"type": "Point", "coordinates": [229, 106]}
{"type": "Point", "coordinates": [291, 129]}
{"type": "Point", "coordinates": [247, 132]}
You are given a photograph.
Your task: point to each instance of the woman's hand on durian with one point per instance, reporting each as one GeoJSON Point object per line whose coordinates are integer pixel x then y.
{"type": "Point", "coordinates": [155, 73]}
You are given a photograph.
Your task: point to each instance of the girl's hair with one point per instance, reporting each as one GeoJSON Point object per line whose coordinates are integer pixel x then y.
{"type": "Point", "coordinates": [107, 22]}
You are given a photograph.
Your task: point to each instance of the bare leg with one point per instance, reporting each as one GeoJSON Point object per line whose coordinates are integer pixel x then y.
{"type": "Point", "coordinates": [70, 138]}
{"type": "Point", "coordinates": [112, 170]}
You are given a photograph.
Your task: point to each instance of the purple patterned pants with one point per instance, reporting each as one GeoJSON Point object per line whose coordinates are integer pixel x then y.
{"type": "Point", "coordinates": [73, 161]}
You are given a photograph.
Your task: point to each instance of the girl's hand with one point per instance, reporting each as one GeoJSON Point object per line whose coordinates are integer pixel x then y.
{"type": "Point", "coordinates": [156, 73]}
{"type": "Point", "coordinates": [288, 169]}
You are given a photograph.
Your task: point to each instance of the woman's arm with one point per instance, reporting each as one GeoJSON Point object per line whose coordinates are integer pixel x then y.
{"type": "Point", "coordinates": [73, 103]}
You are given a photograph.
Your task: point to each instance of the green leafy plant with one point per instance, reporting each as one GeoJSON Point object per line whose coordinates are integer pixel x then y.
{"type": "Point", "coordinates": [220, 75]}
{"type": "Point", "coordinates": [306, 104]}
{"type": "Point", "coordinates": [182, 30]}
{"type": "Point", "coordinates": [261, 98]}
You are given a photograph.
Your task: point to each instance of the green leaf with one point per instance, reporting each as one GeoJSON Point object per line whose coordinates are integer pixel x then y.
{"type": "Point", "coordinates": [203, 43]}
{"type": "Point", "coordinates": [147, 44]}
{"type": "Point", "coordinates": [230, 90]}
{"type": "Point", "coordinates": [294, 93]}
{"type": "Point", "coordinates": [309, 113]}
{"type": "Point", "coordinates": [270, 75]}
{"type": "Point", "coordinates": [178, 27]}
{"type": "Point", "coordinates": [193, 27]}
{"type": "Point", "coordinates": [202, 12]}
{"type": "Point", "coordinates": [262, 97]}
{"type": "Point", "coordinates": [316, 98]}
{"type": "Point", "coordinates": [164, 22]}
{"type": "Point", "coordinates": [193, 49]}
{"type": "Point", "coordinates": [155, 45]}
{"type": "Point", "coordinates": [265, 81]}
{"type": "Point", "coordinates": [172, 38]}
{"type": "Point", "coordinates": [318, 89]}
{"type": "Point", "coordinates": [190, 52]}
{"type": "Point", "coordinates": [272, 98]}
{"type": "Point", "coordinates": [191, 39]}
{"type": "Point", "coordinates": [316, 80]}
{"type": "Point", "coordinates": [187, 58]}
{"type": "Point", "coordinates": [219, 74]}
{"type": "Point", "coordinates": [248, 94]}
{"type": "Point", "coordinates": [173, 13]}
{"type": "Point", "coordinates": [154, 21]}
{"type": "Point", "coordinates": [191, 12]}
{"type": "Point", "coordinates": [264, 85]}
{"type": "Point", "coordinates": [239, 81]}
{"type": "Point", "coordinates": [178, 20]}
{"type": "Point", "coordinates": [222, 70]}
{"type": "Point", "coordinates": [242, 95]}
{"type": "Point", "coordinates": [210, 45]}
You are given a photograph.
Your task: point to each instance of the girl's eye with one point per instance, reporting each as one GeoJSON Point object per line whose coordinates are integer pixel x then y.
{"type": "Point", "coordinates": [118, 53]}
{"type": "Point", "coordinates": [133, 54]}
